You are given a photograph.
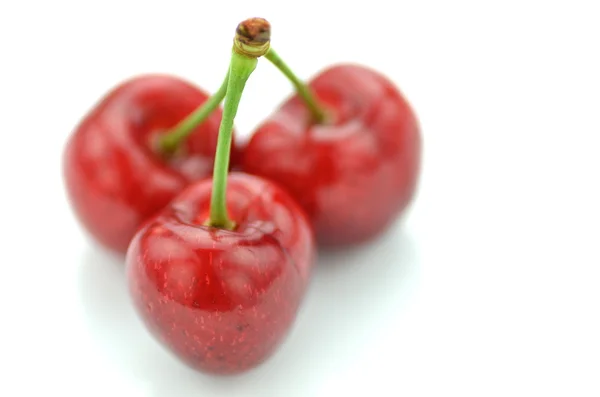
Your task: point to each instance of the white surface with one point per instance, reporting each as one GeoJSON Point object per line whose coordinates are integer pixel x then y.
{"type": "Point", "coordinates": [491, 287]}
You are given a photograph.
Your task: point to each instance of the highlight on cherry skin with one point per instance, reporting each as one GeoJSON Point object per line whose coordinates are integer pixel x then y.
{"type": "Point", "coordinates": [115, 174]}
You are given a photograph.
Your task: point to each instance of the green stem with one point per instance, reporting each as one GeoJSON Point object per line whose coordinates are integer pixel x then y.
{"type": "Point", "coordinates": [240, 69]}
{"type": "Point", "coordinates": [252, 40]}
{"type": "Point", "coordinates": [170, 141]}
{"type": "Point", "coordinates": [310, 100]}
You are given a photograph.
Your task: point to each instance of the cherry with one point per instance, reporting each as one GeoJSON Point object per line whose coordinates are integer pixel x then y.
{"type": "Point", "coordinates": [222, 300]}
{"type": "Point", "coordinates": [347, 147]}
{"type": "Point", "coordinates": [218, 275]}
{"type": "Point", "coordinates": [122, 164]}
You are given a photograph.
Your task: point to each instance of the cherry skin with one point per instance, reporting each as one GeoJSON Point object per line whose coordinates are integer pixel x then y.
{"type": "Point", "coordinates": [115, 178]}
{"type": "Point", "coordinates": [354, 174]}
{"type": "Point", "coordinates": [222, 301]}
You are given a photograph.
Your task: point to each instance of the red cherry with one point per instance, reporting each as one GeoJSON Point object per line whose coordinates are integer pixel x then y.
{"type": "Point", "coordinates": [222, 300]}
{"type": "Point", "coordinates": [115, 178]}
{"type": "Point", "coordinates": [353, 175]}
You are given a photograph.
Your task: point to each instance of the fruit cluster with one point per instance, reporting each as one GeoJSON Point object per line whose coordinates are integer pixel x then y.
{"type": "Point", "coordinates": [220, 239]}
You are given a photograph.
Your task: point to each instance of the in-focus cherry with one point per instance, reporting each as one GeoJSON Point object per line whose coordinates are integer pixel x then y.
{"type": "Point", "coordinates": [353, 168]}
{"type": "Point", "coordinates": [223, 300]}
{"type": "Point", "coordinates": [115, 172]}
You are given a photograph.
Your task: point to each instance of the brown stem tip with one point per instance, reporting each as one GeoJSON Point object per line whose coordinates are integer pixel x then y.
{"type": "Point", "coordinates": [253, 37]}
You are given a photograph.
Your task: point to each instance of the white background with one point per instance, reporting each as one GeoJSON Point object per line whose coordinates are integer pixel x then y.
{"type": "Point", "coordinates": [489, 287]}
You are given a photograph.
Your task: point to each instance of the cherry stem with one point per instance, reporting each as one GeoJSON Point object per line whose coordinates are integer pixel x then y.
{"type": "Point", "coordinates": [172, 139]}
{"type": "Point", "coordinates": [316, 109]}
{"type": "Point", "coordinates": [251, 41]}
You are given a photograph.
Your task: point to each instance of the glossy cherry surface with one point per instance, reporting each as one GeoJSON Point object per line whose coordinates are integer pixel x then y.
{"type": "Point", "coordinates": [115, 178]}
{"type": "Point", "coordinates": [222, 300]}
{"type": "Point", "coordinates": [353, 175]}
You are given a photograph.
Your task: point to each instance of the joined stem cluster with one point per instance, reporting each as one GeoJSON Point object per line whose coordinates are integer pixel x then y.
{"type": "Point", "coordinates": [252, 40]}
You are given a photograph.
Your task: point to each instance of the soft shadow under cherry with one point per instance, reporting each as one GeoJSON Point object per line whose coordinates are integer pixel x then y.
{"type": "Point", "coordinates": [354, 294]}
{"type": "Point", "coordinates": [114, 325]}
